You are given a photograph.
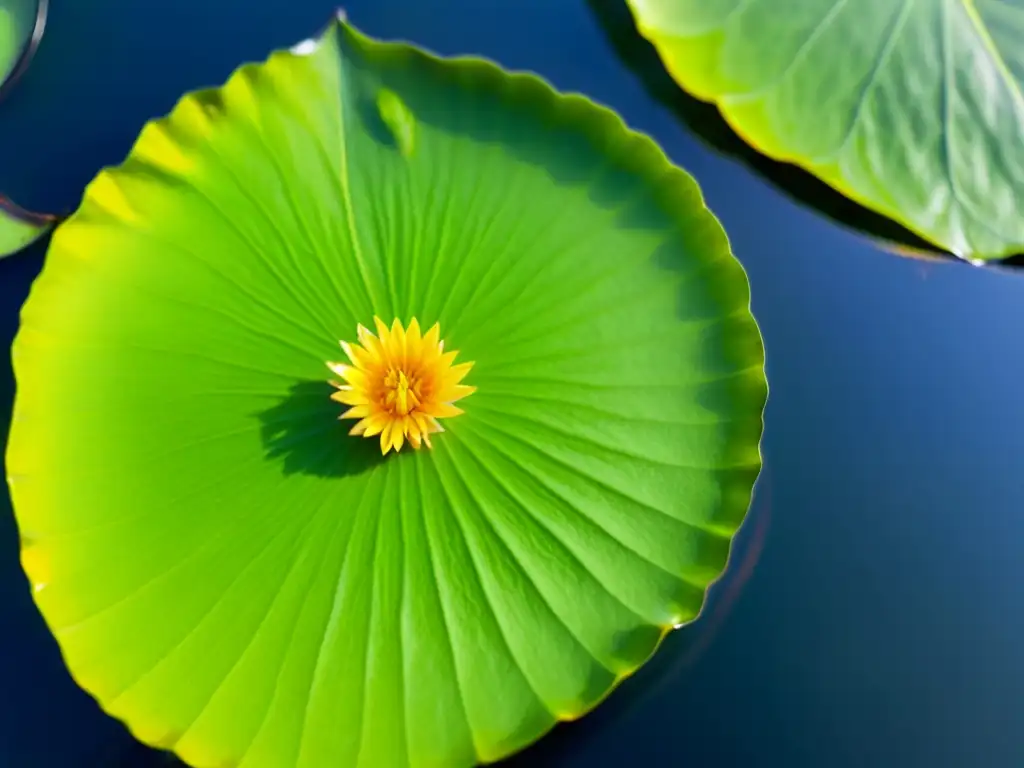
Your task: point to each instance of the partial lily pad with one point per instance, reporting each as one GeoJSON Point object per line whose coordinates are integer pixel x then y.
{"type": "Point", "coordinates": [20, 228]}
{"type": "Point", "coordinates": [21, 28]}
{"type": "Point", "coordinates": [912, 108]}
{"type": "Point", "coordinates": [236, 577]}
{"type": "Point", "coordinates": [705, 121]}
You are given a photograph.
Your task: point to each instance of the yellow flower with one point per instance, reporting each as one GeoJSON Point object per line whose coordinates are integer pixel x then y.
{"type": "Point", "coordinates": [399, 384]}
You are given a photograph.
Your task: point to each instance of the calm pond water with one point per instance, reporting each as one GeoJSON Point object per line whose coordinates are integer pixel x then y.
{"type": "Point", "coordinates": [880, 625]}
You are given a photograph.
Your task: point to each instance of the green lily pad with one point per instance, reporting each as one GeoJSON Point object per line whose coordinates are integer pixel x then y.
{"type": "Point", "coordinates": [21, 27]}
{"type": "Point", "coordinates": [913, 108]}
{"type": "Point", "coordinates": [237, 578]}
{"type": "Point", "coordinates": [20, 228]}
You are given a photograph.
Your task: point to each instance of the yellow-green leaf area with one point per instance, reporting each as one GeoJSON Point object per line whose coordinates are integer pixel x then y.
{"type": "Point", "coordinates": [236, 577]}
{"type": "Point", "coordinates": [913, 108]}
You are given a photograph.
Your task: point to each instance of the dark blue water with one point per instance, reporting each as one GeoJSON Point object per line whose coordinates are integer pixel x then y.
{"type": "Point", "coordinates": [882, 623]}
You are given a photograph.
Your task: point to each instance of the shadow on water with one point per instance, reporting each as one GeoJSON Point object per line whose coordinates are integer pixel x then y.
{"type": "Point", "coordinates": [304, 434]}
{"type": "Point", "coordinates": [133, 754]}
{"type": "Point", "coordinates": [706, 122]}
{"type": "Point", "coordinates": [678, 653]}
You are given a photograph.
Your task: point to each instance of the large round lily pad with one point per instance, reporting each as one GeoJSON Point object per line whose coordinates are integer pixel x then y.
{"type": "Point", "coordinates": [913, 108]}
{"type": "Point", "coordinates": [234, 575]}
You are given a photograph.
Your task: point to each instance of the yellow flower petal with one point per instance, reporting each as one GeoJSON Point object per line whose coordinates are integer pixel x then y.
{"type": "Point", "coordinates": [431, 338]}
{"type": "Point", "coordinates": [369, 342]}
{"type": "Point", "coordinates": [383, 333]}
{"type": "Point", "coordinates": [444, 411]}
{"type": "Point", "coordinates": [353, 376]}
{"type": "Point", "coordinates": [376, 424]}
{"type": "Point", "coordinates": [397, 344]}
{"type": "Point", "coordinates": [385, 437]}
{"type": "Point", "coordinates": [457, 373]}
{"type": "Point", "coordinates": [356, 412]}
{"type": "Point", "coordinates": [422, 422]}
{"type": "Point", "coordinates": [360, 357]}
{"type": "Point", "coordinates": [349, 396]}
{"type": "Point", "coordinates": [397, 435]}
{"type": "Point", "coordinates": [451, 394]}
{"type": "Point", "coordinates": [413, 337]}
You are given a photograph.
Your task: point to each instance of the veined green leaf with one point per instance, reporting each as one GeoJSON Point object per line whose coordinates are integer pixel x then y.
{"type": "Point", "coordinates": [238, 579]}
{"type": "Point", "coordinates": [20, 228]}
{"type": "Point", "coordinates": [913, 108]}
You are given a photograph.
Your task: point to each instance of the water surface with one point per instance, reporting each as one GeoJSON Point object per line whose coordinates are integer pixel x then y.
{"type": "Point", "coordinates": [881, 624]}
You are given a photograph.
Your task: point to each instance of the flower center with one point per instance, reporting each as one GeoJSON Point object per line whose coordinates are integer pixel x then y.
{"type": "Point", "coordinates": [399, 383]}
{"type": "Point", "coordinates": [401, 392]}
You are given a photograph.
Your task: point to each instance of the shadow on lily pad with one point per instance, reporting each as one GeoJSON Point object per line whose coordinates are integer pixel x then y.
{"type": "Point", "coordinates": [703, 119]}
{"type": "Point", "coordinates": [303, 433]}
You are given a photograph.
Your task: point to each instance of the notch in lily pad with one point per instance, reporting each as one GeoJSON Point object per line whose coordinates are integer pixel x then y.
{"type": "Point", "coordinates": [398, 119]}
